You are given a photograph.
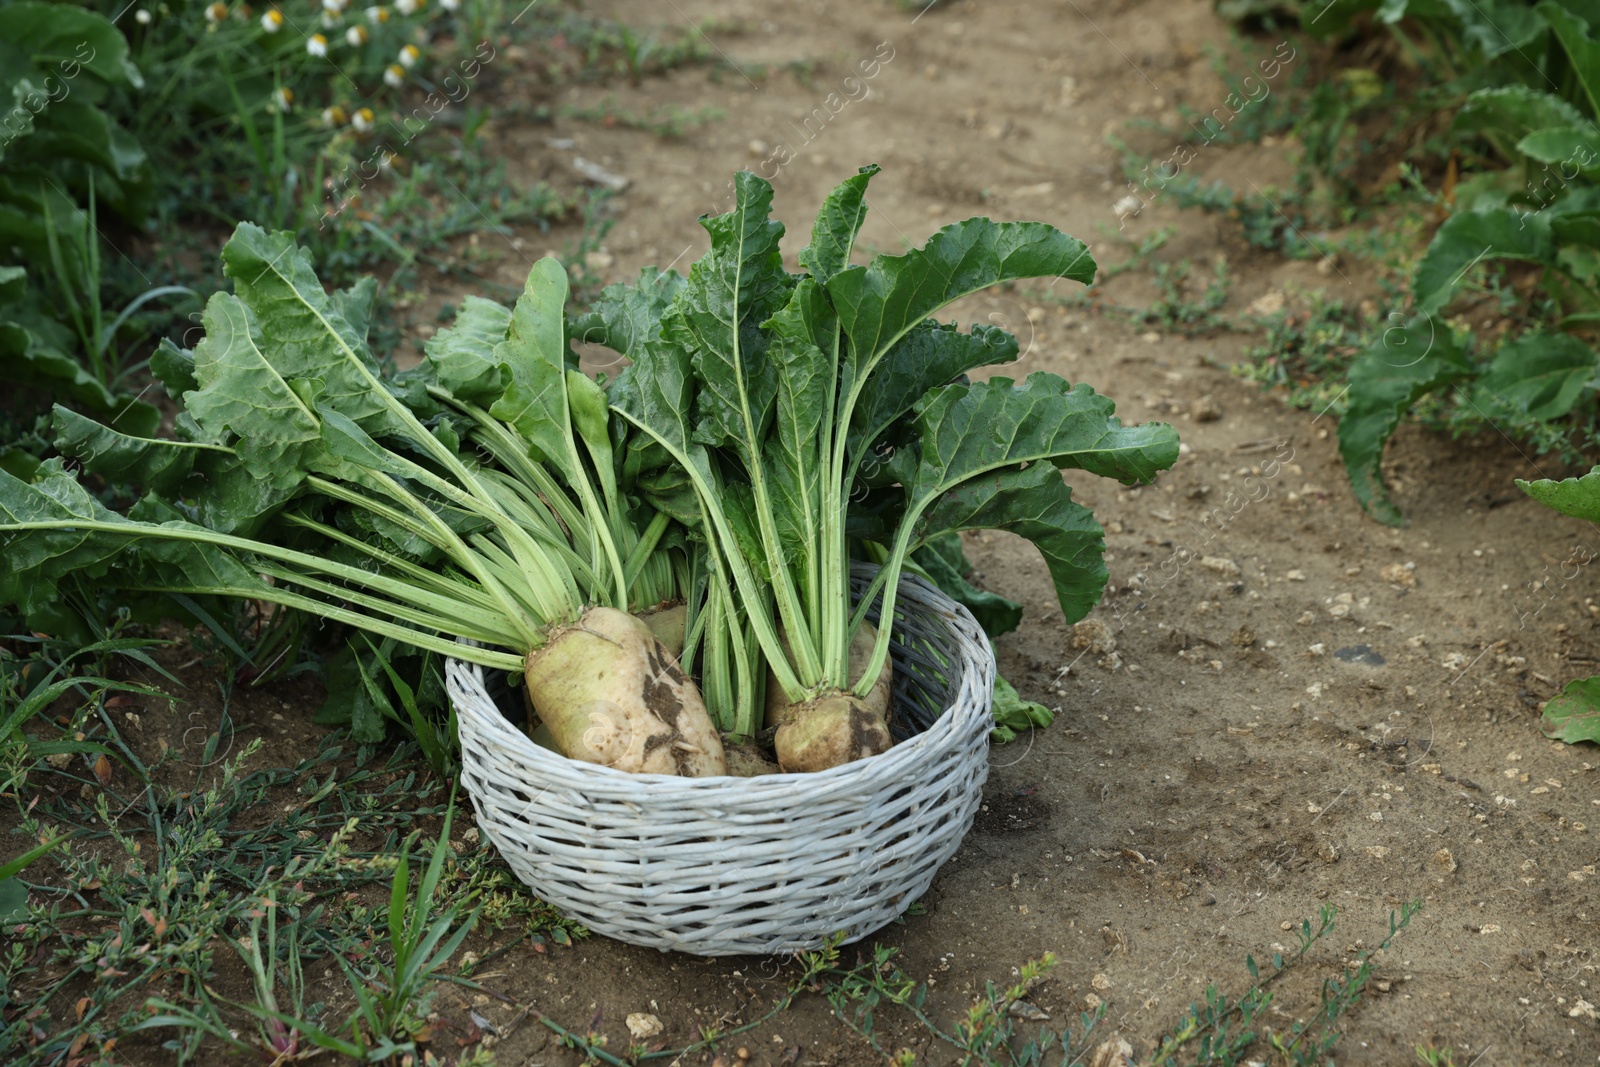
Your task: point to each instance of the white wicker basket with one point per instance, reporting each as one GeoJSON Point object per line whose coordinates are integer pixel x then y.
{"type": "Point", "coordinates": [719, 866]}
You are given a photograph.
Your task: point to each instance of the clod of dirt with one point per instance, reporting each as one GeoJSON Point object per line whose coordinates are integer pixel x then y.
{"type": "Point", "coordinates": [1220, 565]}
{"type": "Point", "coordinates": [1102, 982]}
{"type": "Point", "coordinates": [1094, 635]}
{"type": "Point", "coordinates": [1442, 862]}
{"type": "Point", "coordinates": [642, 1026]}
{"type": "Point", "coordinates": [1269, 303]}
{"type": "Point", "coordinates": [1205, 409]}
{"type": "Point", "coordinates": [1401, 574]}
{"type": "Point", "coordinates": [1114, 1053]}
{"type": "Point", "coordinates": [1243, 637]}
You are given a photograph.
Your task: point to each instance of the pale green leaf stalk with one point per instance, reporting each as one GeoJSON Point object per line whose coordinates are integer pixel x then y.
{"type": "Point", "coordinates": [303, 477]}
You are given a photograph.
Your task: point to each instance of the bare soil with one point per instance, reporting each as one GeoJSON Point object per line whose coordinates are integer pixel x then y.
{"type": "Point", "coordinates": [1302, 707]}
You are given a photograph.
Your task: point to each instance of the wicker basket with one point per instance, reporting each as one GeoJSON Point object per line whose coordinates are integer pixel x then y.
{"type": "Point", "coordinates": [718, 866]}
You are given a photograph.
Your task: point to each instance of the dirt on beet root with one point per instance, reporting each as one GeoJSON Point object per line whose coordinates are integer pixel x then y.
{"type": "Point", "coordinates": [1279, 705]}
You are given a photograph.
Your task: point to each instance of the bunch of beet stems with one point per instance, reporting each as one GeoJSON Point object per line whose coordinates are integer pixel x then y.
{"type": "Point", "coordinates": [528, 563]}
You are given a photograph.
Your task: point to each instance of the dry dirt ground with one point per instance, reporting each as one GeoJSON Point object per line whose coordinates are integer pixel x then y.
{"type": "Point", "coordinates": [1302, 708]}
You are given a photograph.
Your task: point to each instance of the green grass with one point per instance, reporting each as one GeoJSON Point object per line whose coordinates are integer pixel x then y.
{"type": "Point", "coordinates": [160, 899]}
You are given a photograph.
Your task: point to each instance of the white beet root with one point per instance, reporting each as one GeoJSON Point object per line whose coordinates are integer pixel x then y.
{"type": "Point", "coordinates": [833, 727]}
{"type": "Point", "coordinates": [611, 694]}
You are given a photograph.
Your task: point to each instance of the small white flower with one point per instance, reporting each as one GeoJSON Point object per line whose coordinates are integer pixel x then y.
{"type": "Point", "coordinates": [142, 17]}
{"type": "Point", "coordinates": [330, 21]}
{"type": "Point", "coordinates": [333, 7]}
{"type": "Point", "coordinates": [450, 5]}
{"type": "Point", "coordinates": [272, 21]}
{"type": "Point", "coordinates": [356, 36]}
{"type": "Point", "coordinates": [214, 12]}
{"type": "Point", "coordinates": [363, 120]}
{"type": "Point", "coordinates": [409, 56]}
{"type": "Point", "coordinates": [334, 116]}
{"type": "Point", "coordinates": [406, 7]}
{"type": "Point", "coordinates": [377, 15]}
{"type": "Point", "coordinates": [317, 45]}
{"type": "Point", "coordinates": [283, 98]}
{"type": "Point", "coordinates": [394, 76]}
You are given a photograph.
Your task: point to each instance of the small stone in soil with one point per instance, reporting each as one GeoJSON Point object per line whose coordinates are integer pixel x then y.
{"type": "Point", "coordinates": [1401, 574]}
{"type": "Point", "coordinates": [1094, 635]}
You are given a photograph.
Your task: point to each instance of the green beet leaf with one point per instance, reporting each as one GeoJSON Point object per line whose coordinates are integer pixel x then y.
{"type": "Point", "coordinates": [829, 406]}
{"type": "Point", "coordinates": [1578, 497]}
{"type": "Point", "coordinates": [1470, 238]}
{"type": "Point", "coordinates": [461, 357]}
{"type": "Point", "coordinates": [1574, 146]}
{"type": "Point", "coordinates": [1583, 51]}
{"type": "Point", "coordinates": [1036, 504]}
{"type": "Point", "coordinates": [1540, 375]}
{"type": "Point", "coordinates": [1012, 714]}
{"type": "Point", "coordinates": [1573, 714]}
{"type": "Point", "coordinates": [1406, 364]}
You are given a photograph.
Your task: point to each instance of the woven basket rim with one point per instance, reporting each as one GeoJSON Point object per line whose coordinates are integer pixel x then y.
{"type": "Point", "coordinates": [555, 769]}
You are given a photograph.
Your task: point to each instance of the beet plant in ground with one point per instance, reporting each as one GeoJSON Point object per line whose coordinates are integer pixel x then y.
{"type": "Point", "coordinates": [1523, 81]}
{"type": "Point", "coordinates": [784, 415]}
{"type": "Point", "coordinates": [475, 498]}
{"type": "Point", "coordinates": [1574, 713]}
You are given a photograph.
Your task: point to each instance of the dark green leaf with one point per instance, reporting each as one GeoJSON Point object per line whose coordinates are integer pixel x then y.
{"type": "Point", "coordinates": [1573, 715]}
{"type": "Point", "coordinates": [1540, 375]}
{"type": "Point", "coordinates": [1470, 238]}
{"type": "Point", "coordinates": [1036, 504]}
{"type": "Point", "coordinates": [242, 395]}
{"type": "Point", "coordinates": [71, 129]}
{"type": "Point", "coordinates": [966, 431]}
{"type": "Point", "coordinates": [1012, 714]}
{"type": "Point", "coordinates": [311, 339]}
{"type": "Point", "coordinates": [1578, 497]}
{"type": "Point", "coordinates": [625, 316]}
{"type": "Point", "coordinates": [880, 303]}
{"type": "Point", "coordinates": [159, 466]}
{"type": "Point", "coordinates": [462, 356]}
{"type": "Point", "coordinates": [1574, 146]}
{"type": "Point", "coordinates": [27, 359]}
{"type": "Point", "coordinates": [1508, 114]}
{"type": "Point", "coordinates": [930, 355]}
{"type": "Point", "coordinates": [57, 34]}
{"type": "Point", "coordinates": [535, 351]}
{"type": "Point", "coordinates": [1583, 52]}
{"type": "Point", "coordinates": [1405, 365]}
{"type": "Point", "coordinates": [13, 901]}
{"type": "Point", "coordinates": [174, 366]}
{"type": "Point", "coordinates": [1496, 27]}
{"type": "Point", "coordinates": [13, 284]}
{"type": "Point", "coordinates": [834, 232]}
{"type": "Point", "coordinates": [736, 286]}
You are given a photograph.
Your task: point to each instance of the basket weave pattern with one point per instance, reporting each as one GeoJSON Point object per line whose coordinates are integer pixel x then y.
{"type": "Point", "coordinates": [719, 866]}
